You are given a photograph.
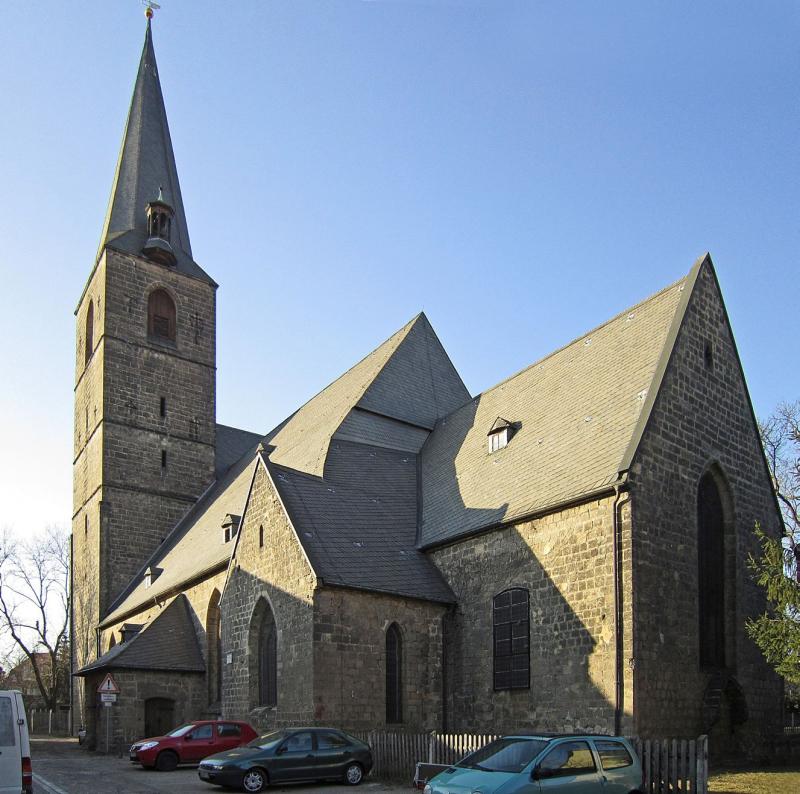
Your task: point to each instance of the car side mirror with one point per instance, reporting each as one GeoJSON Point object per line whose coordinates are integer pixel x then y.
{"type": "Point", "coordinates": [188, 737]}
{"type": "Point", "coordinates": [282, 749]}
{"type": "Point", "coordinates": [539, 773]}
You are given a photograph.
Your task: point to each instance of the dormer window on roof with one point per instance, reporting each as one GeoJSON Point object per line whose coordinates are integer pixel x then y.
{"type": "Point", "coordinates": [159, 229]}
{"type": "Point", "coordinates": [500, 434]}
{"type": "Point", "coordinates": [230, 527]}
{"type": "Point", "coordinates": [150, 575]}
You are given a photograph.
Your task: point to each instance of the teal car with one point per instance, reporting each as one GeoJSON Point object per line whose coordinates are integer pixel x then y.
{"type": "Point", "coordinates": [540, 764]}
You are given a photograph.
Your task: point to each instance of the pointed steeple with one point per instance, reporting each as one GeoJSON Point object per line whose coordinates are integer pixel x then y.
{"type": "Point", "coordinates": [146, 175]}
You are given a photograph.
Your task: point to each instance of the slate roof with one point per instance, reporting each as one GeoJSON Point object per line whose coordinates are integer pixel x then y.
{"type": "Point", "coordinates": [393, 457]}
{"type": "Point", "coordinates": [408, 377]}
{"type": "Point", "coordinates": [232, 443]}
{"type": "Point", "coordinates": [358, 524]}
{"type": "Point", "coordinates": [575, 415]}
{"type": "Point", "coordinates": [168, 642]}
{"type": "Point", "coordinates": [196, 543]}
{"type": "Point", "coordinates": [147, 163]}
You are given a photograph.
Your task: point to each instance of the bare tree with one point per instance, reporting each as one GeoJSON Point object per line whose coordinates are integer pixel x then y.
{"type": "Point", "coordinates": [34, 606]}
{"type": "Point", "coordinates": [780, 434]}
{"type": "Point", "coordinates": [777, 568]}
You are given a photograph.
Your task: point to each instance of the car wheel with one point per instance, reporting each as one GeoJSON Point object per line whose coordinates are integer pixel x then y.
{"type": "Point", "coordinates": [255, 779]}
{"type": "Point", "coordinates": [166, 761]}
{"type": "Point", "coordinates": [353, 775]}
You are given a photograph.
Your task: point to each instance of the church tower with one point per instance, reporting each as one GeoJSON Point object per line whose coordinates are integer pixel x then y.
{"type": "Point", "coordinates": [145, 378]}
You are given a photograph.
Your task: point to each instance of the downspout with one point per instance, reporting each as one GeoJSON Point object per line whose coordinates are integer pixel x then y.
{"type": "Point", "coordinates": [71, 634]}
{"type": "Point", "coordinates": [621, 497]}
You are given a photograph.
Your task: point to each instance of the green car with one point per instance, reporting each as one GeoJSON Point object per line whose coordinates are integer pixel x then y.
{"type": "Point", "coordinates": [540, 764]}
{"type": "Point", "coordinates": [290, 755]}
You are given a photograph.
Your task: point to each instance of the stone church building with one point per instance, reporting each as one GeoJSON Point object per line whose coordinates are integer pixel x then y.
{"type": "Point", "coordinates": [564, 551]}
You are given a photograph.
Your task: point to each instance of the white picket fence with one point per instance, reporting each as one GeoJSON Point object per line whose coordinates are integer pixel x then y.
{"type": "Point", "coordinates": [669, 765]}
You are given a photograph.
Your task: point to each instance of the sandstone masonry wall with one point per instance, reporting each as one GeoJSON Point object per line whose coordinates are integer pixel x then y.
{"type": "Point", "coordinates": [278, 572]}
{"type": "Point", "coordinates": [350, 659]}
{"type": "Point", "coordinates": [701, 418]}
{"type": "Point", "coordinates": [115, 728]}
{"type": "Point", "coordinates": [565, 561]}
{"type": "Point", "coordinates": [124, 500]}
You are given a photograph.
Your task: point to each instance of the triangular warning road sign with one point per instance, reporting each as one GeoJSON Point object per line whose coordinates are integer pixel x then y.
{"type": "Point", "coordinates": [109, 685]}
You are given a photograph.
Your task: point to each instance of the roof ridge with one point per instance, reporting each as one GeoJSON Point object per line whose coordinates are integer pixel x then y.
{"type": "Point", "coordinates": [569, 344]}
{"type": "Point", "coordinates": [664, 358]}
{"type": "Point", "coordinates": [239, 429]}
{"type": "Point", "coordinates": [174, 535]}
{"type": "Point", "coordinates": [343, 374]}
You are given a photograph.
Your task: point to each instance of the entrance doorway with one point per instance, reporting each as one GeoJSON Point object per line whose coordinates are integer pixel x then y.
{"type": "Point", "coordinates": [159, 716]}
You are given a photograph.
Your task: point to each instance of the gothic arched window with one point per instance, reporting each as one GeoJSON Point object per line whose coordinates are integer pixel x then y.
{"type": "Point", "coordinates": [511, 623]}
{"type": "Point", "coordinates": [711, 573]}
{"type": "Point", "coordinates": [394, 674]}
{"type": "Point", "coordinates": [263, 654]}
{"type": "Point", "coordinates": [214, 650]}
{"type": "Point", "coordinates": [89, 335]}
{"type": "Point", "coordinates": [161, 316]}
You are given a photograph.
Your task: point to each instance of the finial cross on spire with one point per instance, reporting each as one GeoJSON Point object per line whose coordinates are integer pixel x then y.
{"type": "Point", "coordinates": [150, 8]}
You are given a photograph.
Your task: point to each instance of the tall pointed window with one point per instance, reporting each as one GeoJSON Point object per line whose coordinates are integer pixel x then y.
{"type": "Point", "coordinates": [263, 655]}
{"type": "Point", "coordinates": [394, 675]}
{"type": "Point", "coordinates": [214, 650]}
{"type": "Point", "coordinates": [161, 316]}
{"type": "Point", "coordinates": [511, 622]}
{"type": "Point", "coordinates": [89, 335]}
{"type": "Point", "coordinates": [711, 573]}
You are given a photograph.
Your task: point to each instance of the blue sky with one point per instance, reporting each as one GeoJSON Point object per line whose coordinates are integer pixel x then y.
{"type": "Point", "coordinates": [522, 171]}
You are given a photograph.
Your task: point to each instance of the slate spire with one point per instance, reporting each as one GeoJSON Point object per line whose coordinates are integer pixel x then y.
{"type": "Point", "coordinates": [146, 172]}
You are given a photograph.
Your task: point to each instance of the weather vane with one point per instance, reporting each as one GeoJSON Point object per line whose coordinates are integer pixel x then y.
{"type": "Point", "coordinates": [149, 8]}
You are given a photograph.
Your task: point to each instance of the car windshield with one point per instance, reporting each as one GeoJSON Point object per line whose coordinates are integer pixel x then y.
{"type": "Point", "coordinates": [267, 740]}
{"type": "Point", "coordinates": [504, 755]}
{"type": "Point", "coordinates": [183, 729]}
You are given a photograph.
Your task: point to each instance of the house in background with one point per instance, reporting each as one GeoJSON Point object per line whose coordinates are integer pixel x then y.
{"type": "Point", "coordinates": [565, 551]}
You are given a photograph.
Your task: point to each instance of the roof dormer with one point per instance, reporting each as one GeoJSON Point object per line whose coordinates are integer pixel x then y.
{"type": "Point", "coordinates": [500, 434]}
{"type": "Point", "coordinates": [151, 574]}
{"type": "Point", "coordinates": [230, 527]}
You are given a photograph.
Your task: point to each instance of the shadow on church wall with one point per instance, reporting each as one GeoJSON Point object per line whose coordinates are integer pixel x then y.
{"type": "Point", "coordinates": [564, 561]}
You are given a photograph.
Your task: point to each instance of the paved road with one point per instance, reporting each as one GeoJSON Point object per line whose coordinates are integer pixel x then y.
{"type": "Point", "coordinates": [60, 766]}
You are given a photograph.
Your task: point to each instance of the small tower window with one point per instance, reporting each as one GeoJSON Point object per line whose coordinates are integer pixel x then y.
{"type": "Point", "coordinates": [163, 407]}
{"type": "Point", "coordinates": [261, 537]}
{"type": "Point", "coordinates": [163, 459]}
{"type": "Point", "coordinates": [89, 341]}
{"type": "Point", "coordinates": [500, 434]}
{"type": "Point", "coordinates": [161, 316]}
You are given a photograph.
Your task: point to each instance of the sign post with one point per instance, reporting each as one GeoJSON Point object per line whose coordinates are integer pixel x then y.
{"type": "Point", "coordinates": [108, 691]}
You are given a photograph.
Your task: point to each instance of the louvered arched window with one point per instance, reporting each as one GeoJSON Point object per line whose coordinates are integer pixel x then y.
{"type": "Point", "coordinates": [161, 316]}
{"type": "Point", "coordinates": [511, 623]}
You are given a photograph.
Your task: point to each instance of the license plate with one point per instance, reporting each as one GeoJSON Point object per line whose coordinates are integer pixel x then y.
{"type": "Point", "coordinates": [204, 775]}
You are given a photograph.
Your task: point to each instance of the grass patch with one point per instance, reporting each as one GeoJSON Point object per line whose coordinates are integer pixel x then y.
{"type": "Point", "coordinates": [773, 780]}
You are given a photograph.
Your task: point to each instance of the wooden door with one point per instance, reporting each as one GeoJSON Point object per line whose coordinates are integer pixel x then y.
{"type": "Point", "coordinates": [159, 716]}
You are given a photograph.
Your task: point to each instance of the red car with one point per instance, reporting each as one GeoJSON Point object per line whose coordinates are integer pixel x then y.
{"type": "Point", "coordinates": [191, 743]}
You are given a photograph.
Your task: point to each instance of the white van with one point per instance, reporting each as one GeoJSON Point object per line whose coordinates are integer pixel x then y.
{"type": "Point", "coordinates": [16, 776]}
